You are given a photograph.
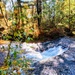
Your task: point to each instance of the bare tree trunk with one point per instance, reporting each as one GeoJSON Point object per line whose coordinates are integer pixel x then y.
{"type": "Point", "coordinates": [19, 11]}
{"type": "Point", "coordinates": [39, 11]}
{"type": "Point", "coordinates": [13, 7]}
{"type": "Point", "coordinates": [69, 14]}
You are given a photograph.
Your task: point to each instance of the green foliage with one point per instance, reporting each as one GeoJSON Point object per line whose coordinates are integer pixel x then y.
{"type": "Point", "coordinates": [48, 11]}
{"type": "Point", "coordinates": [18, 20]}
{"type": "Point", "coordinates": [3, 72]}
{"type": "Point", "coordinates": [58, 14]}
{"type": "Point", "coordinates": [15, 35]}
{"type": "Point", "coordinates": [29, 39]}
{"type": "Point", "coordinates": [14, 65]}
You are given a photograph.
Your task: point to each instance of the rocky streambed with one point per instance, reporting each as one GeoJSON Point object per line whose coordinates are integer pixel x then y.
{"type": "Point", "coordinates": [49, 58]}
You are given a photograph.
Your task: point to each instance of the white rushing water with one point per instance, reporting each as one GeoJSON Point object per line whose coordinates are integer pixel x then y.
{"type": "Point", "coordinates": [31, 51]}
{"type": "Point", "coordinates": [51, 52]}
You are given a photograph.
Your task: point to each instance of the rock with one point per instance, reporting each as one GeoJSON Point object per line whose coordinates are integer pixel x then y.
{"type": "Point", "coordinates": [2, 58]}
{"type": "Point", "coordinates": [63, 64]}
{"type": "Point", "coordinates": [48, 71]}
{"type": "Point", "coordinates": [72, 69]}
{"type": "Point", "coordinates": [70, 58]}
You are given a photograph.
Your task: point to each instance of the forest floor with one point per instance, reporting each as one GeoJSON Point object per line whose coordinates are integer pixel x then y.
{"type": "Point", "coordinates": [63, 64]}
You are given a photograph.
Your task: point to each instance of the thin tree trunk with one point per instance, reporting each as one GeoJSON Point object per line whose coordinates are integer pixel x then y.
{"type": "Point", "coordinates": [13, 7]}
{"type": "Point", "coordinates": [39, 11]}
{"type": "Point", "coordinates": [69, 15]}
{"type": "Point", "coordinates": [19, 11]}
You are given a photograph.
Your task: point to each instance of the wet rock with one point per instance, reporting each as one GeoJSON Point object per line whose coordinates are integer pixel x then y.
{"type": "Point", "coordinates": [2, 58]}
{"type": "Point", "coordinates": [63, 64]}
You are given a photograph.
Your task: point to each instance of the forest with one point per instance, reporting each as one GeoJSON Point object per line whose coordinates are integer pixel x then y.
{"type": "Point", "coordinates": [30, 29]}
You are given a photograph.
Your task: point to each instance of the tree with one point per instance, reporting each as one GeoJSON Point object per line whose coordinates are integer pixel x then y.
{"type": "Point", "coordinates": [39, 11]}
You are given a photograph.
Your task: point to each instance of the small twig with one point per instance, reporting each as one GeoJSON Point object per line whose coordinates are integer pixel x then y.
{"type": "Point", "coordinates": [9, 47]}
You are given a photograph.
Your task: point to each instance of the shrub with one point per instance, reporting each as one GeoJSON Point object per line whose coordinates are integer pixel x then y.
{"type": "Point", "coordinates": [56, 32]}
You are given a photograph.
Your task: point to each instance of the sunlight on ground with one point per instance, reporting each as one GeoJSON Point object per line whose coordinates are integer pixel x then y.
{"type": "Point", "coordinates": [4, 42]}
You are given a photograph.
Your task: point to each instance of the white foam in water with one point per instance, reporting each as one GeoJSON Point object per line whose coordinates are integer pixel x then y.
{"type": "Point", "coordinates": [53, 52]}
{"type": "Point", "coordinates": [31, 52]}
{"type": "Point", "coordinates": [46, 54]}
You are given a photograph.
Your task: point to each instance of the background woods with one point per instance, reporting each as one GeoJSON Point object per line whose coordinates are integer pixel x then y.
{"type": "Point", "coordinates": [36, 19]}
